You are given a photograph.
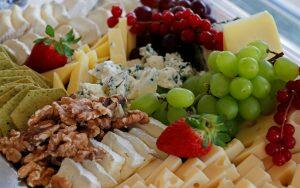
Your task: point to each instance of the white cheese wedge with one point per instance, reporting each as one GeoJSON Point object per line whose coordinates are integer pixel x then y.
{"type": "Point", "coordinates": [60, 13]}
{"type": "Point", "coordinates": [250, 162]}
{"type": "Point", "coordinates": [18, 21]}
{"type": "Point", "coordinates": [99, 172]}
{"type": "Point", "coordinates": [112, 162]}
{"type": "Point", "coordinates": [18, 49]}
{"type": "Point", "coordinates": [99, 16]}
{"type": "Point", "coordinates": [77, 175]}
{"type": "Point", "coordinates": [234, 148]}
{"type": "Point", "coordinates": [244, 183]}
{"type": "Point", "coordinates": [296, 181]}
{"type": "Point", "coordinates": [33, 16]}
{"type": "Point", "coordinates": [258, 176]}
{"type": "Point", "coordinates": [28, 39]}
{"type": "Point", "coordinates": [133, 160]}
{"type": "Point", "coordinates": [166, 178]}
{"type": "Point", "coordinates": [226, 183]}
{"type": "Point", "coordinates": [194, 177]}
{"type": "Point", "coordinates": [190, 163]}
{"type": "Point", "coordinates": [131, 181]}
{"type": "Point", "coordinates": [283, 174]}
{"type": "Point", "coordinates": [116, 46]}
{"type": "Point", "coordinates": [149, 140]}
{"type": "Point", "coordinates": [216, 153]}
{"type": "Point", "coordinates": [86, 28]}
{"type": "Point", "coordinates": [146, 171]}
{"type": "Point", "coordinates": [238, 34]}
{"type": "Point", "coordinates": [6, 29]}
{"type": "Point", "coordinates": [48, 14]}
{"type": "Point", "coordinates": [153, 128]}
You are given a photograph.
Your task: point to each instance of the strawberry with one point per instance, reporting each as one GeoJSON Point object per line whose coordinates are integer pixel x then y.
{"type": "Point", "coordinates": [193, 136]}
{"type": "Point", "coordinates": [48, 54]}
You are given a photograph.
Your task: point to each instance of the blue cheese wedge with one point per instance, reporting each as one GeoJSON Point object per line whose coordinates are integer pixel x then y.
{"type": "Point", "coordinates": [169, 78]}
{"type": "Point", "coordinates": [105, 70]}
{"type": "Point", "coordinates": [112, 161]}
{"type": "Point", "coordinates": [90, 91]}
{"type": "Point", "coordinates": [123, 147]}
{"type": "Point", "coordinates": [77, 175]}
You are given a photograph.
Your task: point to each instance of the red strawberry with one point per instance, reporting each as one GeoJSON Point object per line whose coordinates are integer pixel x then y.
{"type": "Point", "coordinates": [48, 54]}
{"type": "Point", "coordinates": [192, 137]}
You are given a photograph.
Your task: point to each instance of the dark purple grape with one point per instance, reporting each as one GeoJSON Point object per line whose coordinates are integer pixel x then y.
{"type": "Point", "coordinates": [134, 54]}
{"type": "Point", "coordinates": [184, 3]}
{"type": "Point", "coordinates": [170, 43]}
{"type": "Point", "coordinates": [150, 3]}
{"type": "Point", "coordinates": [144, 39]}
{"type": "Point", "coordinates": [211, 19]}
{"type": "Point", "coordinates": [165, 4]}
{"type": "Point", "coordinates": [177, 9]}
{"type": "Point", "coordinates": [208, 9]}
{"type": "Point", "coordinates": [143, 13]}
{"type": "Point", "coordinates": [199, 8]}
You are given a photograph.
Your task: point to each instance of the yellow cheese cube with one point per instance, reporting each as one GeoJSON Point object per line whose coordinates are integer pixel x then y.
{"type": "Point", "coordinates": [101, 41]}
{"type": "Point", "coordinates": [244, 183]}
{"type": "Point", "coordinates": [103, 50]}
{"type": "Point", "coordinates": [146, 171]}
{"type": "Point", "coordinates": [268, 163]}
{"type": "Point", "coordinates": [85, 48]}
{"type": "Point", "coordinates": [296, 179]}
{"type": "Point", "coordinates": [238, 34]}
{"type": "Point", "coordinates": [214, 154]}
{"type": "Point", "coordinates": [250, 162]}
{"type": "Point", "coordinates": [258, 176]}
{"type": "Point", "coordinates": [283, 174]}
{"type": "Point", "coordinates": [93, 58]}
{"type": "Point", "coordinates": [80, 56]}
{"type": "Point", "coordinates": [192, 162]}
{"type": "Point", "coordinates": [194, 177]}
{"type": "Point", "coordinates": [116, 46]}
{"type": "Point", "coordinates": [296, 158]}
{"type": "Point", "coordinates": [166, 178]}
{"type": "Point", "coordinates": [234, 148]}
{"type": "Point", "coordinates": [78, 75]}
{"type": "Point", "coordinates": [172, 163]}
{"type": "Point", "coordinates": [131, 42]}
{"type": "Point", "coordinates": [225, 183]}
{"type": "Point", "coordinates": [63, 72]}
{"type": "Point", "coordinates": [131, 181]}
{"type": "Point", "coordinates": [139, 184]}
{"type": "Point", "coordinates": [57, 82]}
{"type": "Point", "coordinates": [122, 25]}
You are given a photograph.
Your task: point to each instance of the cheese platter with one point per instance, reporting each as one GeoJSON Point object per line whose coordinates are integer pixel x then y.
{"type": "Point", "coordinates": [150, 93]}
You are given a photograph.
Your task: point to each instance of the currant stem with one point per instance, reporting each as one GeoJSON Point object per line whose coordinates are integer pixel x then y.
{"type": "Point", "coordinates": [286, 113]}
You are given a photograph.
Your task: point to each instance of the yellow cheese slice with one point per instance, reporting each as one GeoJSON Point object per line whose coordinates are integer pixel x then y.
{"type": "Point", "coordinates": [57, 82]}
{"type": "Point", "coordinates": [192, 162]}
{"type": "Point", "coordinates": [296, 158]}
{"type": "Point", "coordinates": [93, 58]}
{"type": "Point", "coordinates": [122, 25]}
{"type": "Point", "coordinates": [139, 184]}
{"type": "Point", "coordinates": [268, 163]}
{"type": "Point", "coordinates": [78, 75]}
{"type": "Point", "coordinates": [101, 41]}
{"type": "Point", "coordinates": [103, 50]}
{"type": "Point", "coordinates": [85, 48]}
{"type": "Point", "coordinates": [194, 176]}
{"type": "Point", "coordinates": [261, 26]}
{"type": "Point", "coordinates": [216, 153]}
{"type": "Point", "coordinates": [116, 46]}
{"type": "Point", "coordinates": [146, 171]}
{"type": "Point", "coordinates": [80, 56]}
{"type": "Point", "coordinates": [131, 42]}
{"type": "Point", "coordinates": [63, 72]}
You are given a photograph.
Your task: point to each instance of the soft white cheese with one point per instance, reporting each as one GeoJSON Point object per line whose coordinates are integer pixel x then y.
{"type": "Point", "coordinates": [169, 78]}
{"type": "Point", "coordinates": [90, 91]}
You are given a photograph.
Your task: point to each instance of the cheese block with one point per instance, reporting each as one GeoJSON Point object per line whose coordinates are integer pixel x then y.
{"type": "Point", "coordinates": [283, 174]}
{"type": "Point", "coordinates": [250, 162]}
{"type": "Point", "coordinates": [172, 163]}
{"type": "Point", "coordinates": [57, 82]}
{"type": "Point", "coordinates": [244, 183]}
{"type": "Point", "coordinates": [296, 158]}
{"type": "Point", "coordinates": [146, 171]}
{"type": "Point", "coordinates": [100, 41]}
{"type": "Point", "coordinates": [99, 172]}
{"type": "Point", "coordinates": [225, 183]}
{"type": "Point", "coordinates": [116, 46]}
{"type": "Point", "coordinates": [103, 50]}
{"type": "Point", "coordinates": [63, 72]}
{"type": "Point", "coordinates": [258, 176]}
{"type": "Point", "coordinates": [296, 181]}
{"type": "Point", "coordinates": [111, 162]}
{"type": "Point", "coordinates": [122, 25]}
{"type": "Point", "coordinates": [79, 75]}
{"type": "Point", "coordinates": [190, 163]}
{"type": "Point", "coordinates": [194, 177]}
{"type": "Point", "coordinates": [93, 58]}
{"type": "Point", "coordinates": [239, 33]}
{"type": "Point", "coordinates": [166, 178]}
{"type": "Point", "coordinates": [214, 154]}
{"type": "Point", "coordinates": [133, 160]}
{"type": "Point", "coordinates": [153, 128]}
{"type": "Point", "coordinates": [131, 181]}
{"type": "Point", "coordinates": [234, 148]}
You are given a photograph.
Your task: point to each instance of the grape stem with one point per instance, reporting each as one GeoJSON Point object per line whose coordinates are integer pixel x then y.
{"type": "Point", "coordinates": [276, 56]}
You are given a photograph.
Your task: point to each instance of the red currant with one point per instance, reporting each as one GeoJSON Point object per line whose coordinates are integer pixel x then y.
{"type": "Point", "coordinates": [150, 3]}
{"type": "Point", "coordinates": [156, 16]}
{"type": "Point", "coordinates": [283, 95]}
{"type": "Point", "coordinates": [205, 25]}
{"type": "Point", "coordinates": [188, 35]}
{"type": "Point", "coordinates": [164, 29]}
{"type": "Point", "coordinates": [289, 142]}
{"type": "Point", "coordinates": [165, 4]}
{"type": "Point", "coordinates": [112, 21]}
{"type": "Point", "coordinates": [154, 28]}
{"type": "Point", "coordinates": [116, 11]}
{"type": "Point", "coordinates": [288, 130]}
{"type": "Point", "coordinates": [131, 19]}
{"type": "Point", "coordinates": [272, 148]}
{"type": "Point", "coordinates": [282, 107]}
{"type": "Point", "coordinates": [279, 159]}
{"type": "Point", "coordinates": [167, 16]}
{"type": "Point", "coordinates": [204, 37]}
{"type": "Point", "coordinates": [219, 41]}
{"type": "Point", "coordinates": [293, 85]}
{"type": "Point", "coordinates": [296, 102]}
{"type": "Point", "coordinates": [195, 21]}
{"type": "Point", "coordinates": [179, 15]}
{"type": "Point", "coordinates": [273, 134]}
{"type": "Point", "coordinates": [137, 28]}
{"type": "Point", "coordinates": [279, 117]}
{"type": "Point", "coordinates": [287, 155]}
{"type": "Point", "coordinates": [184, 3]}
{"type": "Point", "coordinates": [187, 13]}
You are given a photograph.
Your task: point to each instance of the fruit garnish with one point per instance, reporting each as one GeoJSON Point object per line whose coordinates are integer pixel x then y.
{"type": "Point", "coordinates": [280, 137]}
{"type": "Point", "coordinates": [193, 136]}
{"type": "Point", "coordinates": [48, 53]}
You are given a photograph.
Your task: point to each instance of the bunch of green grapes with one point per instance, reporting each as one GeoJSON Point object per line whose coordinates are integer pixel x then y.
{"type": "Point", "coordinates": [245, 84]}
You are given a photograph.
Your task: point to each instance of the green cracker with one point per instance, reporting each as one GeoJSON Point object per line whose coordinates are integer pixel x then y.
{"type": "Point", "coordinates": [11, 93]}
{"type": "Point", "coordinates": [5, 80]}
{"type": "Point", "coordinates": [34, 100]}
{"type": "Point", "coordinates": [8, 54]}
{"type": "Point", "coordinates": [6, 64]}
{"type": "Point", "coordinates": [24, 80]}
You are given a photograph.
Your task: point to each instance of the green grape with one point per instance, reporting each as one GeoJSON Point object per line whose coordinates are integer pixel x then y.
{"type": "Point", "coordinates": [262, 46]}
{"type": "Point", "coordinates": [180, 97]}
{"type": "Point", "coordinates": [174, 114]}
{"type": "Point", "coordinates": [147, 103]}
{"type": "Point", "coordinates": [227, 107]}
{"type": "Point", "coordinates": [198, 84]}
{"type": "Point", "coordinates": [227, 63]}
{"type": "Point", "coordinates": [249, 108]}
{"type": "Point", "coordinates": [266, 70]}
{"type": "Point", "coordinates": [276, 85]}
{"type": "Point", "coordinates": [191, 84]}
{"type": "Point", "coordinates": [261, 87]}
{"type": "Point", "coordinates": [249, 51]}
{"type": "Point", "coordinates": [232, 127]}
{"type": "Point", "coordinates": [161, 113]}
{"type": "Point", "coordinates": [267, 105]}
{"type": "Point", "coordinates": [207, 104]}
{"type": "Point", "coordinates": [219, 85]}
{"type": "Point", "coordinates": [285, 69]}
{"type": "Point", "coordinates": [248, 67]}
{"type": "Point", "coordinates": [211, 61]}
{"type": "Point", "coordinates": [240, 88]}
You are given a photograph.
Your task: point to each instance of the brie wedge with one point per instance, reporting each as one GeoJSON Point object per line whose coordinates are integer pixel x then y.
{"type": "Point", "coordinates": [48, 15]}
{"type": "Point", "coordinates": [18, 21]}
{"type": "Point", "coordinates": [6, 29]}
{"type": "Point", "coordinates": [33, 15]}
{"type": "Point", "coordinates": [28, 39]}
{"type": "Point", "coordinates": [18, 49]}
{"type": "Point", "coordinates": [133, 160]}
